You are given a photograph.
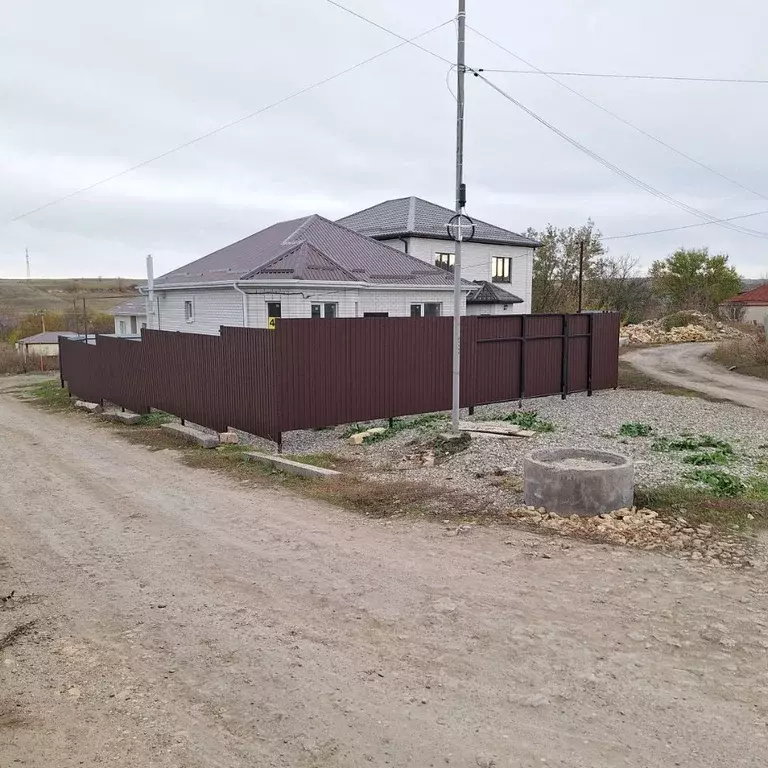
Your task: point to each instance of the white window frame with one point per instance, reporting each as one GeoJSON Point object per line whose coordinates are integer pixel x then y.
{"type": "Point", "coordinates": [134, 324]}
{"type": "Point", "coordinates": [122, 328]}
{"type": "Point", "coordinates": [445, 260]}
{"type": "Point", "coordinates": [189, 317]}
{"type": "Point", "coordinates": [324, 308]}
{"type": "Point", "coordinates": [422, 308]}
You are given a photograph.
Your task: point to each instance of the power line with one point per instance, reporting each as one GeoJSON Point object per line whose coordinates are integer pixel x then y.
{"type": "Point", "coordinates": [685, 226]}
{"type": "Point", "coordinates": [224, 127]}
{"type": "Point", "coordinates": [621, 119]}
{"type": "Point", "coordinates": [611, 75]}
{"type": "Point", "coordinates": [624, 174]}
{"type": "Point", "coordinates": [394, 34]}
{"type": "Point", "coordinates": [606, 163]}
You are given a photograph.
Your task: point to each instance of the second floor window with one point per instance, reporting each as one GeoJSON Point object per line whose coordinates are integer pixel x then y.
{"type": "Point", "coordinates": [502, 269]}
{"type": "Point", "coordinates": [444, 261]}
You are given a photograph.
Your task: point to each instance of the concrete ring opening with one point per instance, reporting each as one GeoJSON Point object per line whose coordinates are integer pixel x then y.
{"type": "Point", "coordinates": [576, 481]}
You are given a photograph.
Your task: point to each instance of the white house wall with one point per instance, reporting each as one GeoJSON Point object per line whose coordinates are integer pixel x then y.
{"type": "Point", "coordinates": [140, 320]}
{"type": "Point", "coordinates": [755, 314]}
{"type": "Point", "coordinates": [213, 307]}
{"type": "Point", "coordinates": [476, 261]}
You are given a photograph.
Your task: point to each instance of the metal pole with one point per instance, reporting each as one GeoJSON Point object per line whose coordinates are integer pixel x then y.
{"type": "Point", "coordinates": [581, 272]}
{"type": "Point", "coordinates": [150, 307]}
{"type": "Point", "coordinates": [459, 210]}
{"type": "Point", "coordinates": [85, 320]}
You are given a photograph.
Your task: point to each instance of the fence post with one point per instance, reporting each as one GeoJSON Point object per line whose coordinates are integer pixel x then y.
{"type": "Point", "coordinates": [591, 322]}
{"type": "Point", "coordinates": [564, 367]}
{"type": "Point", "coordinates": [523, 338]}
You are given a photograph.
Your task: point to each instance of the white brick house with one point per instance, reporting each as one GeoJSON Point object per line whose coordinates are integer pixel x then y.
{"type": "Point", "coordinates": [130, 317]}
{"type": "Point", "coordinates": [492, 255]}
{"type": "Point", "coordinates": [313, 267]}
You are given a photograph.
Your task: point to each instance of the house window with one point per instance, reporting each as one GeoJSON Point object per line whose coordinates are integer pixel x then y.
{"type": "Point", "coordinates": [122, 328]}
{"type": "Point", "coordinates": [330, 309]}
{"type": "Point", "coordinates": [428, 309]}
{"type": "Point", "coordinates": [134, 326]}
{"type": "Point", "coordinates": [445, 261]}
{"type": "Point", "coordinates": [502, 269]}
{"type": "Point", "coordinates": [189, 311]}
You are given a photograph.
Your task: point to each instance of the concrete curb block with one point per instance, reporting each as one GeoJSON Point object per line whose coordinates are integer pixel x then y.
{"type": "Point", "coordinates": [292, 467]}
{"type": "Point", "coordinates": [123, 417]}
{"type": "Point", "coordinates": [83, 405]}
{"type": "Point", "coordinates": [192, 435]}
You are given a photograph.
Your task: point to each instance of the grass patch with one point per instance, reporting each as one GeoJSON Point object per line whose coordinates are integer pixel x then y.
{"type": "Point", "coordinates": [635, 429]}
{"type": "Point", "coordinates": [528, 420]}
{"type": "Point", "coordinates": [155, 419]}
{"type": "Point", "coordinates": [51, 396]}
{"type": "Point", "coordinates": [324, 460]}
{"type": "Point", "coordinates": [703, 458]}
{"type": "Point", "coordinates": [746, 354]}
{"type": "Point", "coordinates": [396, 426]}
{"type": "Point", "coordinates": [720, 483]}
{"type": "Point", "coordinates": [691, 443]}
{"type": "Point", "coordinates": [697, 505]}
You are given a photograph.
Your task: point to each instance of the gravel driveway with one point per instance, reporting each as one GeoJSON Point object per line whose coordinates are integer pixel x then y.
{"type": "Point", "coordinates": [684, 365]}
{"type": "Point", "coordinates": [183, 620]}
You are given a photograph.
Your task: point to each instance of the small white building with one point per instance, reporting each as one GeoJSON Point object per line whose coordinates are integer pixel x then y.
{"type": "Point", "coordinates": [45, 344]}
{"type": "Point", "coordinates": [130, 317]}
{"type": "Point", "coordinates": [752, 306]}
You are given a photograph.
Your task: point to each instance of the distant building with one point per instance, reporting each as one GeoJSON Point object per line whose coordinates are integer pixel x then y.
{"type": "Point", "coordinates": [130, 317]}
{"type": "Point", "coordinates": [753, 304]}
{"type": "Point", "coordinates": [44, 344]}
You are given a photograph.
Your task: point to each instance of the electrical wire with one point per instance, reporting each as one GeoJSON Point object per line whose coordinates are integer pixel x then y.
{"type": "Point", "coordinates": [289, 97]}
{"type": "Point", "coordinates": [684, 226]}
{"type": "Point", "coordinates": [619, 118]}
{"type": "Point", "coordinates": [624, 174]}
{"type": "Point", "coordinates": [708, 218]}
{"type": "Point", "coordinates": [610, 75]}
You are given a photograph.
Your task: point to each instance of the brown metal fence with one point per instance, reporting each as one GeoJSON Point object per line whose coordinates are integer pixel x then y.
{"type": "Point", "coordinates": [318, 373]}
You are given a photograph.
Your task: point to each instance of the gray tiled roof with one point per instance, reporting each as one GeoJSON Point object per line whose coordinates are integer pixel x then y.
{"type": "Point", "coordinates": [47, 337]}
{"type": "Point", "coordinates": [137, 306]}
{"type": "Point", "coordinates": [490, 293]}
{"type": "Point", "coordinates": [414, 217]}
{"type": "Point", "coordinates": [312, 248]}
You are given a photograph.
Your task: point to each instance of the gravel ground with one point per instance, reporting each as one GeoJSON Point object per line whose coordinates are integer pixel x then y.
{"type": "Point", "coordinates": [580, 421]}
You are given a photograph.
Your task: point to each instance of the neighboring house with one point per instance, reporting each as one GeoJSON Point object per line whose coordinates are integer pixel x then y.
{"type": "Point", "coordinates": [753, 304]}
{"type": "Point", "coordinates": [130, 317]}
{"type": "Point", "coordinates": [44, 344]}
{"type": "Point", "coordinates": [500, 262]}
{"type": "Point", "coordinates": [309, 267]}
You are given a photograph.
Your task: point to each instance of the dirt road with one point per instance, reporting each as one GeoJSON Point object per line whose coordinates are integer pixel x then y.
{"type": "Point", "coordinates": [684, 365]}
{"type": "Point", "coordinates": [183, 620]}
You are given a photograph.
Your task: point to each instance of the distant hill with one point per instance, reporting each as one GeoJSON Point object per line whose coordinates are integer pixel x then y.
{"type": "Point", "coordinates": [21, 297]}
{"type": "Point", "coordinates": [747, 284]}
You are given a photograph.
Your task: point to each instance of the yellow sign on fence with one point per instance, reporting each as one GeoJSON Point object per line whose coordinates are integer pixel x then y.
{"type": "Point", "coordinates": [271, 323]}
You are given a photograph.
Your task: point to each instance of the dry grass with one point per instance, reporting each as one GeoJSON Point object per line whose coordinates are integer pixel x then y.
{"type": "Point", "coordinates": [10, 360]}
{"type": "Point", "coordinates": [748, 355]}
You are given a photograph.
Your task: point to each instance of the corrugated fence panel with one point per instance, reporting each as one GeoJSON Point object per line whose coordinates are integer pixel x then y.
{"type": "Point", "coordinates": [316, 372]}
{"type": "Point", "coordinates": [605, 351]}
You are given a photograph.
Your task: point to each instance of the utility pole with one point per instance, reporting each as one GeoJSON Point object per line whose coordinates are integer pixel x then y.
{"type": "Point", "coordinates": [150, 300]}
{"type": "Point", "coordinates": [460, 203]}
{"type": "Point", "coordinates": [29, 273]}
{"type": "Point", "coordinates": [581, 272]}
{"type": "Point", "coordinates": [85, 320]}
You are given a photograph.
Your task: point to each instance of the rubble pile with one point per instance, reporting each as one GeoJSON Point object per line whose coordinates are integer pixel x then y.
{"type": "Point", "coordinates": [643, 529]}
{"type": "Point", "coordinates": [699, 327]}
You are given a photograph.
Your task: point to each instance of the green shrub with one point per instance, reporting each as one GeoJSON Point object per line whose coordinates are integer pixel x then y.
{"type": "Point", "coordinates": [635, 429]}
{"type": "Point", "coordinates": [719, 482]}
{"type": "Point", "coordinates": [529, 420]}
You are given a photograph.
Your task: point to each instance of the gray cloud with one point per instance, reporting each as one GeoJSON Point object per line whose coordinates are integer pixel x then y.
{"type": "Point", "coordinates": [88, 89]}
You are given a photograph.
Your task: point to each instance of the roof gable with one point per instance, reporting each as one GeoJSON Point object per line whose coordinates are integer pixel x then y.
{"type": "Point", "coordinates": [415, 217]}
{"type": "Point", "coordinates": [490, 293]}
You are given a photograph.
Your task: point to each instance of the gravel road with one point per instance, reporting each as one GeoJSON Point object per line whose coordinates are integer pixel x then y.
{"type": "Point", "coordinates": [684, 365]}
{"type": "Point", "coordinates": [185, 620]}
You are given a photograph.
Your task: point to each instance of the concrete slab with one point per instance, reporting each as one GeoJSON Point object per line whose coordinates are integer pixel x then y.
{"type": "Point", "coordinates": [122, 417]}
{"type": "Point", "coordinates": [228, 438]}
{"type": "Point", "coordinates": [494, 428]}
{"type": "Point", "coordinates": [292, 467]}
{"type": "Point", "coordinates": [84, 405]}
{"type": "Point", "coordinates": [192, 435]}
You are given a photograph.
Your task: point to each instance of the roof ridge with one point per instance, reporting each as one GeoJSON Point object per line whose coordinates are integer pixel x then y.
{"type": "Point", "coordinates": [411, 222]}
{"type": "Point", "coordinates": [290, 247]}
{"type": "Point", "coordinates": [304, 224]}
{"type": "Point", "coordinates": [333, 261]}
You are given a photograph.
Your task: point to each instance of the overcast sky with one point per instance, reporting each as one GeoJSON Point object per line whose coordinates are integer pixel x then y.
{"type": "Point", "coordinates": [89, 88]}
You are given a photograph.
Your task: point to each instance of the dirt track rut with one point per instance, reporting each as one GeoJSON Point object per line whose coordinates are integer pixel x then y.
{"type": "Point", "coordinates": [183, 620]}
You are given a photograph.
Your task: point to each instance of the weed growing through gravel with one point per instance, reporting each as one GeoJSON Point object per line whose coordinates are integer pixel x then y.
{"type": "Point", "coordinates": [721, 483]}
{"type": "Point", "coordinates": [155, 419]}
{"type": "Point", "coordinates": [635, 429]}
{"type": "Point", "coordinates": [704, 458]}
{"type": "Point", "coordinates": [51, 396]}
{"type": "Point", "coordinates": [397, 425]}
{"type": "Point", "coordinates": [529, 420]}
{"type": "Point", "coordinates": [691, 443]}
